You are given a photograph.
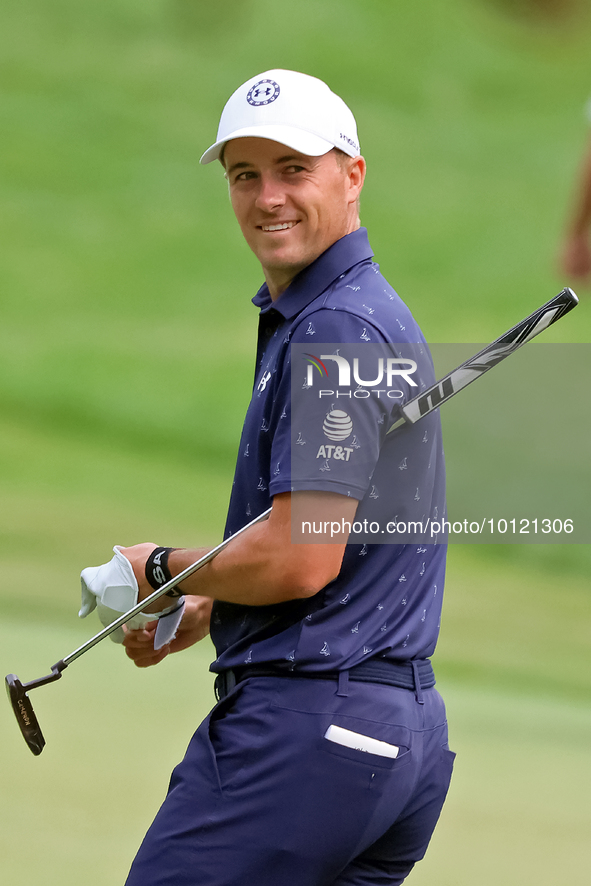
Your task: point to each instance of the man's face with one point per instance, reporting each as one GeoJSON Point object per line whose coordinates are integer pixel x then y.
{"type": "Point", "coordinates": [290, 207]}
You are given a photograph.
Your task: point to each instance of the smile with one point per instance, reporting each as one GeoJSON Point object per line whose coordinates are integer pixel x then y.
{"type": "Point", "coordinates": [283, 227]}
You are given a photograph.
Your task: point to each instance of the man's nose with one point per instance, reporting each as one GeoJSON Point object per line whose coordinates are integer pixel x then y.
{"type": "Point", "coordinates": [271, 193]}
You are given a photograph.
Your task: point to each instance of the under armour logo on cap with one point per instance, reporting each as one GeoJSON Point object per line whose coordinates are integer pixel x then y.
{"type": "Point", "coordinates": [263, 93]}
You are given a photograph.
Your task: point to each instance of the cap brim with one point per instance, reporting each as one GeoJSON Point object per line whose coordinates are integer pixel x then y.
{"type": "Point", "coordinates": [297, 139]}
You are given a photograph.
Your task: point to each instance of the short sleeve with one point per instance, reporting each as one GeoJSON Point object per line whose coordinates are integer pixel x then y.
{"type": "Point", "coordinates": [342, 383]}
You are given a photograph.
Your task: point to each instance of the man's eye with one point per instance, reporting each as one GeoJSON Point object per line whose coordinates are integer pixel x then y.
{"type": "Point", "coordinates": [291, 170]}
{"type": "Point", "coordinates": [245, 176]}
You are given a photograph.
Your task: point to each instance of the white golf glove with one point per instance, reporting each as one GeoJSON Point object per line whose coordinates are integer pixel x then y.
{"type": "Point", "coordinates": [112, 589]}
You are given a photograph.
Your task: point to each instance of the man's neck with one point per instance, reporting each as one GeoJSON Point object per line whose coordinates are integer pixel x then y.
{"type": "Point", "coordinates": [278, 279]}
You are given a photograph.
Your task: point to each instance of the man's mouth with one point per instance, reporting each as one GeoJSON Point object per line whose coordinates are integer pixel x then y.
{"type": "Point", "coordinates": [285, 226]}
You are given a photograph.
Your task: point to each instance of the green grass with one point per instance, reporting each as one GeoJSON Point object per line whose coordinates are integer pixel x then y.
{"type": "Point", "coordinates": [78, 812]}
{"type": "Point", "coordinates": [529, 419]}
{"type": "Point", "coordinates": [518, 810]}
{"type": "Point", "coordinates": [126, 359]}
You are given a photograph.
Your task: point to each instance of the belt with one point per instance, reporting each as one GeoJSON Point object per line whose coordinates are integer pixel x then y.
{"type": "Point", "coordinates": [413, 675]}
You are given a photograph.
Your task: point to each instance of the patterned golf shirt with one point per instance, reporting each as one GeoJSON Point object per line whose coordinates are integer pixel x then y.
{"type": "Point", "coordinates": [386, 601]}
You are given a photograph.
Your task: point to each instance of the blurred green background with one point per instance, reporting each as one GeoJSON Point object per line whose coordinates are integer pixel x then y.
{"type": "Point", "coordinates": [126, 361]}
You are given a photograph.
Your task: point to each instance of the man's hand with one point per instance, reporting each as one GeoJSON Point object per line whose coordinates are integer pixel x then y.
{"type": "Point", "coordinates": [113, 589]}
{"type": "Point", "coordinates": [138, 556]}
{"type": "Point", "coordinates": [194, 626]}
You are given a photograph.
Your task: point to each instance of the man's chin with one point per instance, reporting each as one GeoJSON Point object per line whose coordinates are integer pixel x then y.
{"type": "Point", "coordinates": [284, 263]}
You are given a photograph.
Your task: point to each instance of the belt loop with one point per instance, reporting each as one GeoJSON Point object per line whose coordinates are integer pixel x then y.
{"type": "Point", "coordinates": [417, 679]}
{"type": "Point", "coordinates": [343, 688]}
{"type": "Point", "coordinates": [231, 680]}
{"type": "Point", "coordinates": [224, 683]}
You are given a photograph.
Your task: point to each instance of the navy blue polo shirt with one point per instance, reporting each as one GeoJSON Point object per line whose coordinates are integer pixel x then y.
{"type": "Point", "coordinates": [386, 600]}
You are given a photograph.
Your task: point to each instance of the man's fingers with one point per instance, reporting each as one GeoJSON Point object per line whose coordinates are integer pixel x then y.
{"type": "Point", "coordinates": [142, 636]}
{"type": "Point", "coordinates": [147, 660]}
{"type": "Point", "coordinates": [139, 646]}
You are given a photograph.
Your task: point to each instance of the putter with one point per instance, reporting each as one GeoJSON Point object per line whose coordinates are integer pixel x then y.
{"type": "Point", "coordinates": [412, 412]}
{"type": "Point", "coordinates": [467, 372]}
{"type": "Point", "coordinates": [17, 691]}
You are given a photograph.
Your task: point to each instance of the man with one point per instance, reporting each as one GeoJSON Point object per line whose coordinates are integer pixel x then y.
{"type": "Point", "coordinates": [576, 253]}
{"type": "Point", "coordinates": [326, 759]}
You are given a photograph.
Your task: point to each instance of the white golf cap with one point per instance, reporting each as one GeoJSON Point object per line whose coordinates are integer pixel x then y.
{"type": "Point", "coordinates": [290, 108]}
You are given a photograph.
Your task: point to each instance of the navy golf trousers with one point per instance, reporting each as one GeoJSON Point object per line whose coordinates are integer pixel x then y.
{"type": "Point", "coordinates": [262, 797]}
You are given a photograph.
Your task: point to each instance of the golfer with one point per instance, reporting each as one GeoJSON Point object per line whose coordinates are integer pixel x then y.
{"type": "Point", "coordinates": [325, 761]}
{"type": "Point", "coordinates": [576, 252]}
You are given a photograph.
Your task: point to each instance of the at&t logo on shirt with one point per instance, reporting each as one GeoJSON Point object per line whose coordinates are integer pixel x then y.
{"type": "Point", "coordinates": [337, 426]}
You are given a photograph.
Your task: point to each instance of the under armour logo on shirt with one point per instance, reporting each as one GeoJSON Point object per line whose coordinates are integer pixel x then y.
{"type": "Point", "coordinates": [264, 382]}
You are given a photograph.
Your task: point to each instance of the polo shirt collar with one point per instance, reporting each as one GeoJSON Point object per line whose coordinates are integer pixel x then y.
{"type": "Point", "coordinates": [350, 250]}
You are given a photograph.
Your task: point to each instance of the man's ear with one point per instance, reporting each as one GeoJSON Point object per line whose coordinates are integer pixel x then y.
{"type": "Point", "coordinates": [356, 169]}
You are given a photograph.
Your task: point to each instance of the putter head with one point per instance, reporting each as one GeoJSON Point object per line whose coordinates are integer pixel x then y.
{"type": "Point", "coordinates": [24, 713]}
